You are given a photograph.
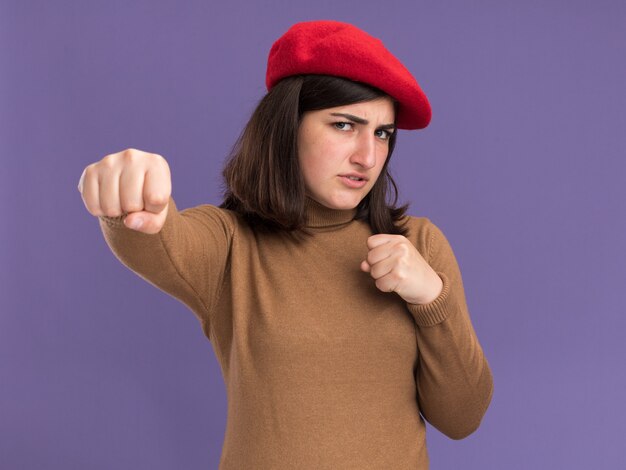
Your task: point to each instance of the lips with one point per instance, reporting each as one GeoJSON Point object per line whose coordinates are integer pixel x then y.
{"type": "Point", "coordinates": [352, 183]}
{"type": "Point", "coordinates": [355, 176]}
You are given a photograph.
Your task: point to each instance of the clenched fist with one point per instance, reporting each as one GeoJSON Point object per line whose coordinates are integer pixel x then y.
{"type": "Point", "coordinates": [398, 267]}
{"type": "Point", "coordinates": [129, 182]}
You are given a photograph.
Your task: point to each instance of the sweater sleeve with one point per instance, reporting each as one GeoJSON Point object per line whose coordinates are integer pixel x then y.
{"type": "Point", "coordinates": [187, 259]}
{"type": "Point", "coordinates": [454, 381]}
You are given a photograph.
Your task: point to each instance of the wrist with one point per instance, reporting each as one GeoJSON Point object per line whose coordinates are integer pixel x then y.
{"type": "Point", "coordinates": [433, 292]}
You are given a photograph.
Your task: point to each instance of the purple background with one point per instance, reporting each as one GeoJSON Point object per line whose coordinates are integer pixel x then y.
{"type": "Point", "coordinates": [522, 167]}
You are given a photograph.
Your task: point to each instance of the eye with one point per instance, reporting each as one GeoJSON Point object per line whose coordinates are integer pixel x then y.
{"type": "Point", "coordinates": [341, 124]}
{"type": "Point", "coordinates": [387, 134]}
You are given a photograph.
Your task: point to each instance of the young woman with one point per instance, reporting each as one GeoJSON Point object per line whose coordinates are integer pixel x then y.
{"type": "Point", "coordinates": [340, 323]}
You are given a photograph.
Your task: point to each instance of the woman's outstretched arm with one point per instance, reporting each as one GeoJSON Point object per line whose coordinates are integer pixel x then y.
{"type": "Point", "coordinates": [187, 258]}
{"type": "Point", "coordinates": [185, 253]}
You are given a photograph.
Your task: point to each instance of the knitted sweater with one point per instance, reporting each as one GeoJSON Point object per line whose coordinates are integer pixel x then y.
{"type": "Point", "coordinates": [322, 369]}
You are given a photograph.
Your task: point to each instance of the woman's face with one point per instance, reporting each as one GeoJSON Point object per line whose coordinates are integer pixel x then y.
{"type": "Point", "coordinates": [336, 143]}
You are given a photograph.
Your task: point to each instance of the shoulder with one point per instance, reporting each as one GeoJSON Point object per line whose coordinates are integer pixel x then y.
{"type": "Point", "coordinates": [423, 233]}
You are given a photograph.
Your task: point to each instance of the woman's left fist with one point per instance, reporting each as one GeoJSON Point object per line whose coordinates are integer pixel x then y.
{"type": "Point", "coordinates": [398, 267]}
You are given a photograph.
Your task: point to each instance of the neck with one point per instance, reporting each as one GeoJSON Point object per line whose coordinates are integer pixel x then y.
{"type": "Point", "coordinates": [318, 215]}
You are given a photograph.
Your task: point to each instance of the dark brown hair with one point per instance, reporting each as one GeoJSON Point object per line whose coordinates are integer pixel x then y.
{"type": "Point", "coordinates": [262, 178]}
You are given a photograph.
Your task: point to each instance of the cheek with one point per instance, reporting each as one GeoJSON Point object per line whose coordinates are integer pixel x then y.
{"type": "Point", "coordinates": [314, 172]}
{"type": "Point", "coordinates": [379, 169]}
{"type": "Point", "coordinates": [316, 160]}
{"type": "Point", "coordinates": [309, 169]}
{"type": "Point", "coordinates": [381, 162]}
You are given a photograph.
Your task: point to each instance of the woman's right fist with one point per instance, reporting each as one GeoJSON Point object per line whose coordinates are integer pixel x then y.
{"type": "Point", "coordinates": [128, 182]}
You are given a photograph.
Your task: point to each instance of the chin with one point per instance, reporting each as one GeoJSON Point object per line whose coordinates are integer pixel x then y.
{"type": "Point", "coordinates": [343, 202]}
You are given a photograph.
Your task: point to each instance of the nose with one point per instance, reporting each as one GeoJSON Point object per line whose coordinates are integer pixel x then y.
{"type": "Point", "coordinates": [364, 153]}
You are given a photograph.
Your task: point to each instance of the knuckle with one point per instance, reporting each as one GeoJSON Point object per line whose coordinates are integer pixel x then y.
{"type": "Point", "coordinates": [91, 208]}
{"type": "Point", "coordinates": [132, 206]}
{"type": "Point", "coordinates": [89, 171]}
{"type": "Point", "coordinates": [131, 156]}
{"type": "Point", "coordinates": [383, 285]}
{"type": "Point", "coordinates": [156, 198]}
{"type": "Point", "coordinates": [392, 275]}
{"type": "Point", "coordinates": [159, 160]}
{"type": "Point", "coordinates": [110, 212]}
{"type": "Point", "coordinates": [107, 162]}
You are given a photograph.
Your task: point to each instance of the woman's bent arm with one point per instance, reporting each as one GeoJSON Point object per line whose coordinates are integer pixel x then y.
{"type": "Point", "coordinates": [454, 381]}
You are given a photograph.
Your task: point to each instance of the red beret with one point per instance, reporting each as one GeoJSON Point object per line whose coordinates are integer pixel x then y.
{"type": "Point", "coordinates": [341, 49]}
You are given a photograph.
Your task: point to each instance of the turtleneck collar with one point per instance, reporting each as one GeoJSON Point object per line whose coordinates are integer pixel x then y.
{"type": "Point", "coordinates": [318, 215]}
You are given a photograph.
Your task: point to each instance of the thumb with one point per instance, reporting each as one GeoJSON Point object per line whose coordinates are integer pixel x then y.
{"type": "Point", "coordinates": [365, 266]}
{"type": "Point", "coordinates": [145, 221]}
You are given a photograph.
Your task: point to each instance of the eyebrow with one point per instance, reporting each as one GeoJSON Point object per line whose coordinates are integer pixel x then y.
{"type": "Point", "coordinates": [359, 120]}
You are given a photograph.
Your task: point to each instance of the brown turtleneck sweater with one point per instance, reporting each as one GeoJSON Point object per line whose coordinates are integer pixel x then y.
{"type": "Point", "coordinates": [322, 369]}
